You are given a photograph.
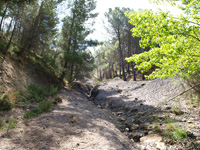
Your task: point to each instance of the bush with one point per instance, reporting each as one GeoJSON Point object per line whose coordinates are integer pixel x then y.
{"type": "Point", "coordinates": [2, 45]}
{"type": "Point", "coordinates": [10, 124]}
{"type": "Point", "coordinates": [43, 107]}
{"type": "Point", "coordinates": [39, 93]}
{"type": "Point", "coordinates": [175, 133]}
{"type": "Point", "coordinates": [7, 101]}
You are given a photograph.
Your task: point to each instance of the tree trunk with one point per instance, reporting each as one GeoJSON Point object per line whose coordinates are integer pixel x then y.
{"type": "Point", "coordinates": [120, 69]}
{"type": "Point", "coordinates": [113, 71]}
{"type": "Point", "coordinates": [133, 70]}
{"type": "Point", "coordinates": [71, 73]}
{"type": "Point", "coordinates": [100, 75]}
{"type": "Point", "coordinates": [8, 45]}
{"type": "Point", "coordinates": [63, 72]}
{"type": "Point", "coordinates": [121, 56]}
{"type": "Point", "coordinates": [143, 78]}
{"type": "Point", "coordinates": [8, 31]}
{"type": "Point", "coordinates": [4, 14]}
{"type": "Point", "coordinates": [110, 72]}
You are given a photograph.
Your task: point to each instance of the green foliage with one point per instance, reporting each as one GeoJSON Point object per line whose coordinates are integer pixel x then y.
{"type": "Point", "coordinates": [74, 39]}
{"type": "Point", "coordinates": [44, 106]}
{"type": "Point", "coordinates": [5, 103]}
{"type": "Point", "coordinates": [2, 45]}
{"type": "Point", "coordinates": [10, 124]}
{"type": "Point", "coordinates": [49, 60]}
{"type": "Point", "coordinates": [175, 133]}
{"type": "Point", "coordinates": [174, 42]}
{"type": "Point", "coordinates": [169, 120]}
{"type": "Point", "coordinates": [39, 93]}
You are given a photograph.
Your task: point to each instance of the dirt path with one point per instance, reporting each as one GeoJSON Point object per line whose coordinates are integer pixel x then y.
{"type": "Point", "coordinates": [72, 125]}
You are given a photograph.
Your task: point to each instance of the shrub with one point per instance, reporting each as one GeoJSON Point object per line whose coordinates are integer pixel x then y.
{"type": "Point", "coordinates": [43, 107]}
{"type": "Point", "coordinates": [10, 124]}
{"type": "Point", "coordinates": [7, 99]}
{"type": "Point", "coordinates": [175, 132]}
{"type": "Point", "coordinates": [39, 93]}
{"type": "Point", "coordinates": [2, 45]}
{"type": "Point", "coordinates": [5, 104]}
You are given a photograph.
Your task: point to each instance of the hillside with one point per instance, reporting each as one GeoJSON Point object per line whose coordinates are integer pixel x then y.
{"type": "Point", "coordinates": [18, 73]}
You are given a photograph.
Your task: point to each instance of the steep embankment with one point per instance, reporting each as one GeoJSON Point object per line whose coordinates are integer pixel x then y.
{"type": "Point", "coordinates": [17, 73]}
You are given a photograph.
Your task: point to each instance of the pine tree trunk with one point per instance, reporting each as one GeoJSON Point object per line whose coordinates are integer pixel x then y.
{"type": "Point", "coordinates": [133, 71]}
{"type": "Point", "coordinates": [100, 75]}
{"type": "Point", "coordinates": [120, 69]}
{"type": "Point", "coordinates": [9, 43]}
{"type": "Point", "coordinates": [63, 72]}
{"type": "Point", "coordinates": [4, 14]}
{"type": "Point", "coordinates": [8, 31]}
{"type": "Point", "coordinates": [122, 57]}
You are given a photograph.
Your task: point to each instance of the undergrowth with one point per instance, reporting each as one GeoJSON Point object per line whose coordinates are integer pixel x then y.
{"type": "Point", "coordinates": [10, 124]}
{"type": "Point", "coordinates": [175, 133]}
{"type": "Point", "coordinates": [44, 106]}
{"type": "Point", "coordinates": [8, 99]}
{"type": "Point", "coordinates": [38, 93]}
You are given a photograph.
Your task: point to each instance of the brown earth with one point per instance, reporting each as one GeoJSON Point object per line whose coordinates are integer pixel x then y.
{"type": "Point", "coordinates": [17, 73]}
{"type": "Point", "coordinates": [120, 115]}
{"type": "Point", "coordinates": [72, 125]}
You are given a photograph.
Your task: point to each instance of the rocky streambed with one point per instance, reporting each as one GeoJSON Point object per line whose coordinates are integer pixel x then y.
{"type": "Point", "coordinates": [145, 115]}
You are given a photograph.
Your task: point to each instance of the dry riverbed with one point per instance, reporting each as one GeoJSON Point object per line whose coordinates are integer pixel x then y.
{"type": "Point", "coordinates": [119, 116]}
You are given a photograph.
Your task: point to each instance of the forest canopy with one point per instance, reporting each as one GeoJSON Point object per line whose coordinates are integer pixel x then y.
{"type": "Point", "coordinates": [174, 41]}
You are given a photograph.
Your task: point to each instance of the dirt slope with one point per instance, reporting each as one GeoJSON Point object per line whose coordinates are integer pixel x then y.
{"type": "Point", "coordinates": [73, 125]}
{"type": "Point", "coordinates": [18, 73]}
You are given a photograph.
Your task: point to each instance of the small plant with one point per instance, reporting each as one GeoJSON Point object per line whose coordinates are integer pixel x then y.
{"type": "Point", "coordinates": [156, 120]}
{"type": "Point", "coordinates": [176, 110]}
{"type": "Point", "coordinates": [2, 122]}
{"type": "Point", "coordinates": [169, 120]}
{"type": "Point", "coordinates": [11, 123]}
{"type": "Point", "coordinates": [7, 99]}
{"type": "Point", "coordinates": [175, 133]}
{"type": "Point", "coordinates": [157, 129]}
{"type": "Point", "coordinates": [43, 107]}
{"type": "Point", "coordinates": [5, 104]}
